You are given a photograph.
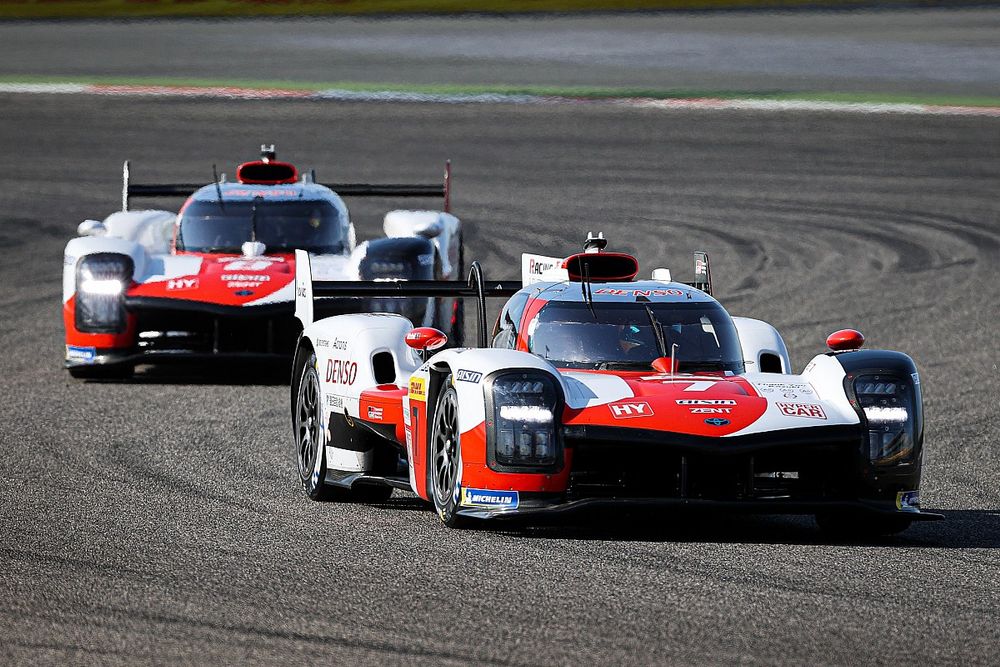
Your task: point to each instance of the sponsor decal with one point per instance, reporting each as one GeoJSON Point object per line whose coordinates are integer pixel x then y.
{"type": "Point", "coordinates": [178, 284]}
{"type": "Point", "coordinates": [322, 342]}
{"type": "Point", "coordinates": [488, 498]}
{"type": "Point", "coordinates": [640, 292]}
{"type": "Point", "coordinates": [418, 389]}
{"type": "Point", "coordinates": [374, 413]}
{"type": "Point", "coordinates": [630, 409]}
{"type": "Point", "coordinates": [468, 376]}
{"type": "Point", "coordinates": [908, 501]}
{"type": "Point", "coordinates": [69, 260]}
{"type": "Point", "coordinates": [801, 410]}
{"type": "Point", "coordinates": [916, 378]}
{"type": "Point", "coordinates": [270, 192]}
{"type": "Point", "coordinates": [705, 401]}
{"type": "Point", "coordinates": [425, 260]}
{"type": "Point", "coordinates": [255, 264]}
{"type": "Point", "coordinates": [710, 411]}
{"type": "Point", "coordinates": [246, 277]}
{"type": "Point", "coordinates": [77, 353]}
{"type": "Point", "coordinates": [717, 421]}
{"type": "Point", "coordinates": [783, 388]}
{"type": "Point", "coordinates": [243, 292]}
{"type": "Point", "coordinates": [334, 401]}
{"type": "Point", "coordinates": [339, 344]}
{"type": "Point", "coordinates": [537, 267]}
{"type": "Point", "coordinates": [341, 371]}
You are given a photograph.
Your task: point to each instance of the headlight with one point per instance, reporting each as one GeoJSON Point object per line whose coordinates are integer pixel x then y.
{"type": "Point", "coordinates": [888, 405]}
{"type": "Point", "coordinates": [100, 296]}
{"type": "Point", "coordinates": [523, 432]}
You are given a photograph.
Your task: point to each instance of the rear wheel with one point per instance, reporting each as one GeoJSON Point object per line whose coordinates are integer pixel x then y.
{"type": "Point", "coordinates": [861, 525]}
{"type": "Point", "coordinates": [445, 463]}
{"type": "Point", "coordinates": [308, 427]}
{"type": "Point", "coordinates": [310, 443]}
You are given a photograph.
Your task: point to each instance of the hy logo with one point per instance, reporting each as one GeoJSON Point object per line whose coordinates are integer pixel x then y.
{"type": "Point", "coordinates": [716, 421]}
{"type": "Point", "coordinates": [631, 409]}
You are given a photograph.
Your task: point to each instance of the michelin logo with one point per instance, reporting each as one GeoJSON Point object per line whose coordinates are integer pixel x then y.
{"type": "Point", "coordinates": [488, 498]}
{"type": "Point", "coordinates": [908, 501]}
{"type": "Point", "coordinates": [75, 353]}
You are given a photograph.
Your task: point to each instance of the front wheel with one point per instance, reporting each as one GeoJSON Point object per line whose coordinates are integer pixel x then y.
{"type": "Point", "coordinates": [446, 459]}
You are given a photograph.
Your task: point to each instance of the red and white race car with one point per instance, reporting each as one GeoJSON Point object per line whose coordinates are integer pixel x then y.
{"type": "Point", "coordinates": [215, 280]}
{"type": "Point", "coordinates": [600, 388]}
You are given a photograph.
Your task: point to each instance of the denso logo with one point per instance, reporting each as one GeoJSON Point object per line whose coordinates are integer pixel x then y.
{"type": "Point", "coordinates": [630, 410]}
{"type": "Point", "coordinates": [801, 410]}
{"type": "Point", "coordinates": [182, 283]}
{"type": "Point", "coordinates": [340, 371]}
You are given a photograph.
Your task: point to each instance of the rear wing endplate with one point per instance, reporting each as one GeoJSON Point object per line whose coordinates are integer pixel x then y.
{"type": "Point", "coordinates": [306, 290]}
{"type": "Point", "coordinates": [443, 190]}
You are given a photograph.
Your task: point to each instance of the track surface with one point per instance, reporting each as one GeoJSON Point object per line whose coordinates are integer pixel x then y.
{"type": "Point", "coordinates": [951, 52]}
{"type": "Point", "coordinates": [162, 520]}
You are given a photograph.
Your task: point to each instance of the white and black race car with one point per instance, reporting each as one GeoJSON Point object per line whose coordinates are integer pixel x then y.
{"type": "Point", "coordinates": [601, 388]}
{"type": "Point", "coordinates": [214, 280]}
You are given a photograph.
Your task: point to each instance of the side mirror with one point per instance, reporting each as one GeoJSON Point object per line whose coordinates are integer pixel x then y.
{"type": "Point", "coordinates": [845, 339]}
{"type": "Point", "coordinates": [665, 365]}
{"type": "Point", "coordinates": [425, 339]}
{"type": "Point", "coordinates": [91, 228]}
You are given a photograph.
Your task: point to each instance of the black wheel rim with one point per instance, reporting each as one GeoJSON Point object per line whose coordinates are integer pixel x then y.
{"type": "Point", "coordinates": [446, 448]}
{"type": "Point", "coordinates": [307, 423]}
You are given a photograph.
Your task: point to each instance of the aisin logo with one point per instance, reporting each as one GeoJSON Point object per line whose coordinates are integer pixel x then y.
{"type": "Point", "coordinates": [716, 421]}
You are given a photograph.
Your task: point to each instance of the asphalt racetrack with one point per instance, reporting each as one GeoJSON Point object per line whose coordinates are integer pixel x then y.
{"type": "Point", "coordinates": [162, 521]}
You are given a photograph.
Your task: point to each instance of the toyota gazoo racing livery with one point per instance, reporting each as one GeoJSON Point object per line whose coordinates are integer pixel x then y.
{"type": "Point", "coordinates": [599, 388]}
{"type": "Point", "coordinates": [216, 279]}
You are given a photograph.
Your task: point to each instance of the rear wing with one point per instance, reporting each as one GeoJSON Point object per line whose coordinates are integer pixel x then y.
{"type": "Point", "coordinates": [443, 190]}
{"type": "Point", "coordinates": [306, 290]}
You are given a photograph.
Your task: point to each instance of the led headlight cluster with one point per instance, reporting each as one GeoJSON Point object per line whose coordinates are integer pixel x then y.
{"type": "Point", "coordinates": [100, 292]}
{"type": "Point", "coordinates": [523, 431]}
{"type": "Point", "coordinates": [888, 405]}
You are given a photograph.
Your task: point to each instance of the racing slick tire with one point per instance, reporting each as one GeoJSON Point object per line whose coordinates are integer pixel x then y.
{"type": "Point", "coordinates": [309, 443]}
{"type": "Point", "coordinates": [846, 525]}
{"type": "Point", "coordinates": [308, 429]}
{"type": "Point", "coordinates": [446, 459]}
{"type": "Point", "coordinates": [116, 372]}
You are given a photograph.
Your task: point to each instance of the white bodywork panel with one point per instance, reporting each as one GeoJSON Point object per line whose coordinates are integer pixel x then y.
{"type": "Point", "coordinates": [540, 269]}
{"type": "Point", "coordinates": [444, 229]}
{"type": "Point", "coordinates": [758, 337]}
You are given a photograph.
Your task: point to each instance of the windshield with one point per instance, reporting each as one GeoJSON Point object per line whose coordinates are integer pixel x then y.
{"type": "Point", "coordinates": [282, 226]}
{"type": "Point", "coordinates": [629, 336]}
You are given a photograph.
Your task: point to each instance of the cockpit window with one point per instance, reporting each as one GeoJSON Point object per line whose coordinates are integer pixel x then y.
{"type": "Point", "coordinates": [629, 336]}
{"type": "Point", "coordinates": [283, 226]}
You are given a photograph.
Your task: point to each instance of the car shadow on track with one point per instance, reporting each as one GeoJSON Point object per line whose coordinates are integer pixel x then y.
{"type": "Point", "coordinates": [211, 373]}
{"type": "Point", "coordinates": [961, 529]}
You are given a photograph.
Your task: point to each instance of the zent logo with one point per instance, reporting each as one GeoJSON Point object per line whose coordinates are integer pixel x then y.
{"type": "Point", "coordinates": [801, 410]}
{"type": "Point", "coordinates": [710, 411]}
{"type": "Point", "coordinates": [341, 371]}
{"type": "Point", "coordinates": [630, 410]}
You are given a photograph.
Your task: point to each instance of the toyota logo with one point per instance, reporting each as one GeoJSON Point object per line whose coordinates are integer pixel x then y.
{"type": "Point", "coordinates": [716, 421]}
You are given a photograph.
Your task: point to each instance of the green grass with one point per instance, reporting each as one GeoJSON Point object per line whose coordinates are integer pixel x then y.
{"type": "Point", "coordinates": [584, 92]}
